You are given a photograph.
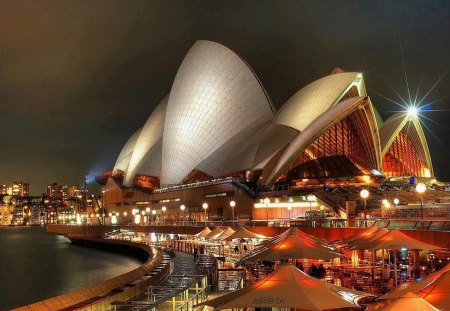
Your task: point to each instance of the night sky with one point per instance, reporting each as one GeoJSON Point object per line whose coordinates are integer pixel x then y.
{"type": "Point", "coordinates": [77, 78]}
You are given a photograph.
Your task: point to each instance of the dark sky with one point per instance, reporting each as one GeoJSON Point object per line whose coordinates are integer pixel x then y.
{"type": "Point", "coordinates": [77, 78]}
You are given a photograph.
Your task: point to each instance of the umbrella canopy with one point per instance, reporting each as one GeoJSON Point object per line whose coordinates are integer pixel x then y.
{"type": "Point", "coordinates": [394, 239]}
{"type": "Point", "coordinates": [203, 233]}
{"type": "Point", "coordinates": [362, 242]}
{"type": "Point", "coordinates": [438, 292]}
{"type": "Point", "coordinates": [288, 287]}
{"type": "Point", "coordinates": [415, 286]}
{"type": "Point", "coordinates": [228, 231]}
{"type": "Point", "coordinates": [358, 236]}
{"type": "Point", "coordinates": [214, 232]}
{"type": "Point", "coordinates": [408, 301]}
{"type": "Point", "coordinates": [243, 233]}
{"type": "Point", "coordinates": [293, 244]}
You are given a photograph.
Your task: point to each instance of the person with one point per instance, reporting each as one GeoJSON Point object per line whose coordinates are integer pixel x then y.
{"type": "Point", "coordinates": [312, 271]}
{"type": "Point", "coordinates": [245, 248]}
{"type": "Point", "coordinates": [299, 265]}
{"type": "Point", "coordinates": [236, 249]}
{"type": "Point", "coordinates": [321, 272]}
{"type": "Point", "coordinates": [195, 253]}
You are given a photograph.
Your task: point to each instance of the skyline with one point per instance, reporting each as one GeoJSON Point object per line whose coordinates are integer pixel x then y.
{"type": "Point", "coordinates": [77, 85]}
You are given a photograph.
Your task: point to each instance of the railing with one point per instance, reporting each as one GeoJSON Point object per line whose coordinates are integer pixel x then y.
{"type": "Point", "coordinates": [195, 185]}
{"type": "Point", "coordinates": [189, 302]}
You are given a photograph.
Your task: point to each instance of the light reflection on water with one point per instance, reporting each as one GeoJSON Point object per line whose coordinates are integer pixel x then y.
{"type": "Point", "coordinates": [35, 265]}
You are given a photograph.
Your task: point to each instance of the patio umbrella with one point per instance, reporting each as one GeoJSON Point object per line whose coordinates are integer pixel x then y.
{"type": "Point", "coordinates": [416, 285]}
{"type": "Point", "coordinates": [243, 233]}
{"type": "Point", "coordinates": [294, 245]}
{"type": "Point", "coordinates": [408, 301]}
{"type": "Point", "coordinates": [395, 239]}
{"type": "Point", "coordinates": [203, 233]}
{"type": "Point", "coordinates": [215, 232]}
{"type": "Point", "coordinates": [288, 287]}
{"type": "Point", "coordinates": [438, 292]}
{"type": "Point", "coordinates": [363, 241]}
{"type": "Point", "coordinates": [358, 236]}
{"type": "Point", "coordinates": [228, 231]}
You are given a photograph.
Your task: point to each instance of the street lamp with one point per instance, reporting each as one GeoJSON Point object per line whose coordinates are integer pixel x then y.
{"type": "Point", "coordinates": [420, 189]}
{"type": "Point", "coordinates": [163, 209]}
{"type": "Point", "coordinates": [364, 195]}
{"type": "Point", "coordinates": [232, 205]}
{"type": "Point", "coordinates": [182, 208]}
{"type": "Point", "coordinates": [103, 206]}
{"type": "Point", "coordinates": [205, 207]}
{"type": "Point", "coordinates": [154, 214]}
{"type": "Point", "coordinates": [266, 203]}
{"type": "Point", "coordinates": [311, 198]}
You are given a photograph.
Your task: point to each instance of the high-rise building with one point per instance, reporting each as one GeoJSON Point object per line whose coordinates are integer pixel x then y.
{"type": "Point", "coordinates": [55, 191]}
{"type": "Point", "coordinates": [3, 189]}
{"type": "Point", "coordinates": [73, 191]}
{"type": "Point", "coordinates": [17, 188]}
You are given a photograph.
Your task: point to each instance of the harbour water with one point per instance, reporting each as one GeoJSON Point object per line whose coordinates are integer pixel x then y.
{"type": "Point", "coordinates": [35, 265]}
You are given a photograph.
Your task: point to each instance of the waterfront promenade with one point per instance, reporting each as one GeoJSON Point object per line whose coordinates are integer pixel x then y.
{"type": "Point", "coordinates": [101, 295]}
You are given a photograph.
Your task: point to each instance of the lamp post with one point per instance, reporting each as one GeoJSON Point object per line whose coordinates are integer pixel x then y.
{"type": "Point", "coordinates": [103, 205]}
{"type": "Point", "coordinates": [289, 211]}
{"type": "Point", "coordinates": [232, 205]}
{"type": "Point", "coordinates": [154, 216]}
{"type": "Point", "coordinates": [182, 208]}
{"type": "Point", "coordinates": [163, 209]}
{"type": "Point", "coordinates": [311, 198]}
{"type": "Point", "coordinates": [147, 211]}
{"type": "Point", "coordinates": [266, 203]}
{"type": "Point", "coordinates": [205, 207]}
{"type": "Point", "coordinates": [364, 195]}
{"type": "Point", "coordinates": [420, 189]}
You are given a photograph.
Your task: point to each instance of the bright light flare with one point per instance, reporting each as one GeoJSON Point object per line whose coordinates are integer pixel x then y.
{"type": "Point", "coordinates": [412, 111]}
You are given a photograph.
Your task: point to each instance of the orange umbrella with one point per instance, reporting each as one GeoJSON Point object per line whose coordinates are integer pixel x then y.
{"type": "Point", "coordinates": [288, 287]}
{"type": "Point", "coordinates": [416, 285]}
{"type": "Point", "coordinates": [406, 302]}
{"type": "Point", "coordinates": [358, 236]}
{"type": "Point", "coordinates": [243, 233]}
{"type": "Point", "coordinates": [215, 232]}
{"type": "Point", "coordinates": [395, 239]}
{"type": "Point", "coordinates": [229, 231]}
{"type": "Point", "coordinates": [363, 241]}
{"type": "Point", "coordinates": [438, 292]}
{"type": "Point", "coordinates": [294, 244]}
{"type": "Point", "coordinates": [203, 233]}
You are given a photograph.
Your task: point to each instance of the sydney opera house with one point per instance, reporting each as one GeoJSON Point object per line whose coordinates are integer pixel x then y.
{"type": "Point", "coordinates": [217, 137]}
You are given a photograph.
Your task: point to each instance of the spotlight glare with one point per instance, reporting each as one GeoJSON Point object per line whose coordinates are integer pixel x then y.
{"type": "Point", "coordinates": [412, 111]}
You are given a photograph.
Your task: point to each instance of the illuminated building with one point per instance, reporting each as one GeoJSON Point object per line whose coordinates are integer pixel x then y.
{"type": "Point", "coordinates": [4, 189]}
{"type": "Point", "coordinates": [216, 137]}
{"type": "Point", "coordinates": [17, 189]}
{"type": "Point", "coordinates": [72, 191]}
{"type": "Point", "coordinates": [55, 191]}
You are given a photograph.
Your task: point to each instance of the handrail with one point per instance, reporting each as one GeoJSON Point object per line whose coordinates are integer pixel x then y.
{"type": "Point", "coordinates": [123, 286]}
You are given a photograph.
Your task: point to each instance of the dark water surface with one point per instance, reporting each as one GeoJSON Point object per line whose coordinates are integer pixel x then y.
{"type": "Point", "coordinates": [35, 265]}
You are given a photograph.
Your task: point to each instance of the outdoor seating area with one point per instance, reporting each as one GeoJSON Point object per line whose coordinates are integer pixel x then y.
{"type": "Point", "coordinates": [369, 264]}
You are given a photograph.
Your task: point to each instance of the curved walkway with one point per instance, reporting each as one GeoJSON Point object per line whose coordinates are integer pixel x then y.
{"type": "Point", "coordinates": [99, 296]}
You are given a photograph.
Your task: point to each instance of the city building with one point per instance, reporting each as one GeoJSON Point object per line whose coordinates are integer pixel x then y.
{"type": "Point", "coordinates": [55, 191]}
{"type": "Point", "coordinates": [17, 189]}
{"type": "Point", "coordinates": [217, 138]}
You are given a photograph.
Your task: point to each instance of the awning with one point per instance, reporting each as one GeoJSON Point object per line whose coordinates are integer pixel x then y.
{"type": "Point", "coordinates": [288, 287]}
{"type": "Point", "coordinates": [293, 243]}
